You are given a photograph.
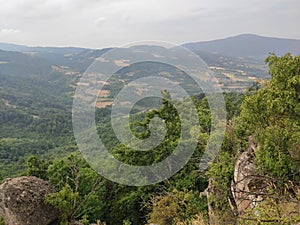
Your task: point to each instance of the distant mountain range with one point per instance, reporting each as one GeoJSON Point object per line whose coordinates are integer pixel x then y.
{"type": "Point", "coordinates": [54, 50]}
{"type": "Point", "coordinates": [247, 46]}
{"type": "Point", "coordinates": [244, 45]}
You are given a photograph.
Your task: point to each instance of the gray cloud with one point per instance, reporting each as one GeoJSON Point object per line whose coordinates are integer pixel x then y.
{"type": "Point", "coordinates": [102, 23]}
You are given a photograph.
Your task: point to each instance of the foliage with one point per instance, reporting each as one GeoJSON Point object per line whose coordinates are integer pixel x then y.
{"type": "Point", "coordinates": [174, 206]}
{"type": "Point", "coordinates": [279, 210]}
{"type": "Point", "coordinates": [35, 113]}
{"type": "Point", "coordinates": [199, 219]}
{"type": "Point", "coordinates": [169, 114]}
{"type": "Point", "coordinates": [64, 201]}
{"type": "Point", "coordinates": [116, 203]}
{"type": "Point", "coordinates": [78, 188]}
{"type": "Point", "coordinates": [2, 221]}
{"type": "Point", "coordinates": [272, 115]}
{"type": "Point", "coordinates": [37, 167]}
{"type": "Point", "coordinates": [269, 112]}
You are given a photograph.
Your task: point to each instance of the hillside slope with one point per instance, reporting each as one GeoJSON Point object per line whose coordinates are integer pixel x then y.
{"type": "Point", "coordinates": [247, 45]}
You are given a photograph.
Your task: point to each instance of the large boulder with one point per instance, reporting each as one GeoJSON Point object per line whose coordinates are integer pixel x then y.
{"type": "Point", "coordinates": [22, 202]}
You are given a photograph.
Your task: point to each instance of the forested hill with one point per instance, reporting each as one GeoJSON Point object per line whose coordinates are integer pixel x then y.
{"type": "Point", "coordinates": [247, 46]}
{"type": "Point", "coordinates": [35, 106]}
{"type": "Point", "coordinates": [262, 135]}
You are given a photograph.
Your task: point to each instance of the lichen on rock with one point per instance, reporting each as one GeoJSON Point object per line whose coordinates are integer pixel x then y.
{"type": "Point", "coordinates": [22, 202]}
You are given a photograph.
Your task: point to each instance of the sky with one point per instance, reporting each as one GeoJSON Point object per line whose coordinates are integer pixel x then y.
{"type": "Point", "coordinates": [112, 23]}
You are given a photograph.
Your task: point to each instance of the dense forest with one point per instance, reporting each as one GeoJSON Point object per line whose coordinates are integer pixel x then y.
{"type": "Point", "coordinates": [37, 140]}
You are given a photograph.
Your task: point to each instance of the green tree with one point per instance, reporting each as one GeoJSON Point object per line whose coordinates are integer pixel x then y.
{"type": "Point", "coordinates": [79, 189]}
{"type": "Point", "coordinates": [272, 115]}
{"type": "Point", "coordinates": [64, 201]}
{"type": "Point", "coordinates": [174, 206]}
{"type": "Point", "coordinates": [37, 167]}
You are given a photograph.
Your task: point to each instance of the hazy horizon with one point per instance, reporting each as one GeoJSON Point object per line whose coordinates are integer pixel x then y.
{"type": "Point", "coordinates": [71, 46]}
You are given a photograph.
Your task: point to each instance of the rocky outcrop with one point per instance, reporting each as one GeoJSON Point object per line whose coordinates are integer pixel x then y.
{"type": "Point", "coordinates": [250, 193]}
{"type": "Point", "coordinates": [209, 193]}
{"type": "Point", "coordinates": [22, 202]}
{"type": "Point", "coordinates": [247, 187]}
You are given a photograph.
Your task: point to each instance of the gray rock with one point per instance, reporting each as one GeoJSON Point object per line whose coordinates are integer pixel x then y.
{"type": "Point", "coordinates": [76, 223]}
{"type": "Point", "coordinates": [247, 187]}
{"type": "Point", "coordinates": [22, 202]}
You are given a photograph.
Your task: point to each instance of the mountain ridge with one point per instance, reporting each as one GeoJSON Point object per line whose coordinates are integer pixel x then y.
{"type": "Point", "coordinates": [231, 43]}
{"type": "Point", "coordinates": [247, 46]}
{"type": "Point", "coordinates": [24, 48]}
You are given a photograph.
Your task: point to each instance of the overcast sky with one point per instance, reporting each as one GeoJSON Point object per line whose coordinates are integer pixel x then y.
{"type": "Point", "coordinates": [105, 23]}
